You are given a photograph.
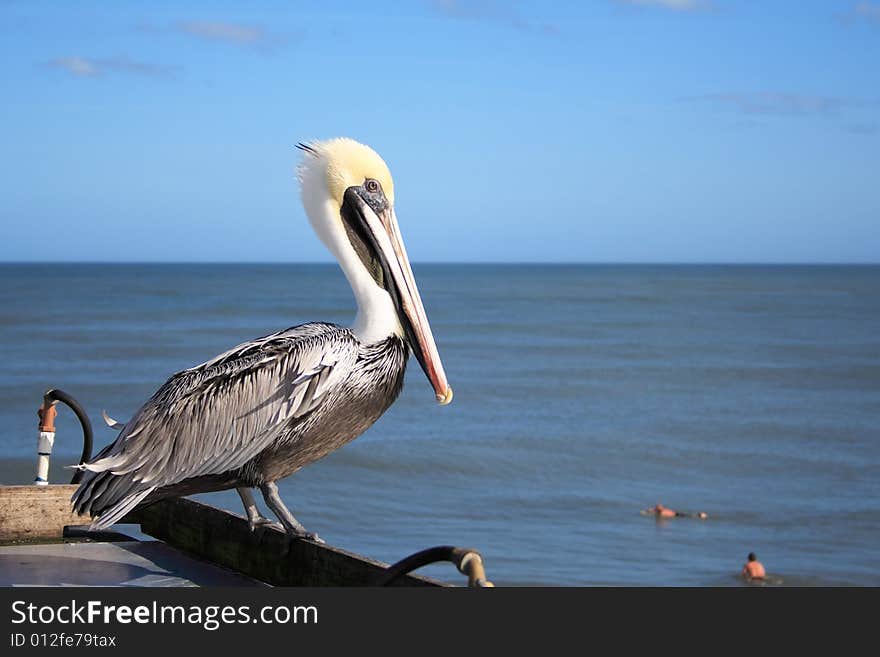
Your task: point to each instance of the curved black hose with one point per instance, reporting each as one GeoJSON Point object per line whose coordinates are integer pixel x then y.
{"type": "Point", "coordinates": [415, 561]}
{"type": "Point", "coordinates": [56, 395]}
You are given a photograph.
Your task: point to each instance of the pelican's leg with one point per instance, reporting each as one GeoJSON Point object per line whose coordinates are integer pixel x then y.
{"type": "Point", "coordinates": [292, 526]}
{"type": "Point", "coordinates": [255, 518]}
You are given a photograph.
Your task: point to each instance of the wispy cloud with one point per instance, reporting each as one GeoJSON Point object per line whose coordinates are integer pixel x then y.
{"type": "Point", "coordinates": [495, 11]}
{"type": "Point", "coordinates": [868, 10]}
{"type": "Point", "coordinates": [674, 5]}
{"type": "Point", "coordinates": [253, 37]}
{"type": "Point", "coordinates": [78, 66]}
{"type": "Point", "coordinates": [776, 103]}
{"type": "Point", "coordinates": [866, 129]}
{"type": "Point", "coordinates": [83, 67]}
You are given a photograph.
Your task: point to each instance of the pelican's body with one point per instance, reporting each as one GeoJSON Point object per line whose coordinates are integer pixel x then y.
{"type": "Point", "coordinates": [268, 407]}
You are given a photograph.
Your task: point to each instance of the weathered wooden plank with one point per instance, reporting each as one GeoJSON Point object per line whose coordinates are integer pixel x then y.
{"type": "Point", "coordinates": [36, 512]}
{"type": "Point", "coordinates": [225, 539]}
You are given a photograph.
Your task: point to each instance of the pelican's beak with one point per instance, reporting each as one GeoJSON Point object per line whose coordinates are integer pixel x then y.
{"type": "Point", "coordinates": [375, 225]}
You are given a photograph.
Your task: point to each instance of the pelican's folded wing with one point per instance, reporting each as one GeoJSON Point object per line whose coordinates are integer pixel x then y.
{"type": "Point", "coordinates": [216, 417]}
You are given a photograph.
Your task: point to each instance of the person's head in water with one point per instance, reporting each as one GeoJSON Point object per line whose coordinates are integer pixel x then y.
{"type": "Point", "coordinates": [752, 556]}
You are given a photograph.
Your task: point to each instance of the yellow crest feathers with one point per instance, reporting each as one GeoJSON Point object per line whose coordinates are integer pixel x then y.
{"type": "Point", "coordinates": [348, 163]}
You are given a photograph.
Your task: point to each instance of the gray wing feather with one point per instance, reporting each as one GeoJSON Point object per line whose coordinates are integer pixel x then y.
{"type": "Point", "coordinates": [216, 417]}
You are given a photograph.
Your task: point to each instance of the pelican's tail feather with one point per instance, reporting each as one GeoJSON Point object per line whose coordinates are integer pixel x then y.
{"type": "Point", "coordinates": [115, 513]}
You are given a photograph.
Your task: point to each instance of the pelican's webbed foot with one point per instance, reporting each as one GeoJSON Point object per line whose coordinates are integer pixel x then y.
{"type": "Point", "coordinates": [292, 526]}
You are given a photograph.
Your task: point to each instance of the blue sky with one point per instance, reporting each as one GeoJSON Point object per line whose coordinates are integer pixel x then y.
{"type": "Point", "coordinates": [603, 131]}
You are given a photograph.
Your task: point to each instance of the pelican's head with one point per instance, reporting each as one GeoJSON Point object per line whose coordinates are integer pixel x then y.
{"type": "Point", "coordinates": [348, 194]}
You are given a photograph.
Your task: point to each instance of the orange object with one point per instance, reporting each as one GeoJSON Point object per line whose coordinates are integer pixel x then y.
{"type": "Point", "coordinates": [47, 417]}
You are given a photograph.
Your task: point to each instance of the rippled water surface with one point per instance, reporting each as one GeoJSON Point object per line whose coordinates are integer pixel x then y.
{"type": "Point", "coordinates": [582, 395]}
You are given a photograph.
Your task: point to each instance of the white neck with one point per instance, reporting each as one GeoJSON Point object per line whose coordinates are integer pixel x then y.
{"type": "Point", "coordinates": [376, 317]}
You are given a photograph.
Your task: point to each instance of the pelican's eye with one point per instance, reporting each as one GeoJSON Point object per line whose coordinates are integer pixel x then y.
{"type": "Point", "coordinates": [371, 185]}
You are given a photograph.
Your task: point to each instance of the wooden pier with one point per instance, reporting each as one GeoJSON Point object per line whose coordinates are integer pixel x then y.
{"type": "Point", "coordinates": [36, 519]}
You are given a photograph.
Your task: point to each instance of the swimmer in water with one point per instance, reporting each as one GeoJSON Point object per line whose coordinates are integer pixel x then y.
{"type": "Point", "coordinates": [753, 569]}
{"type": "Point", "coordinates": [662, 512]}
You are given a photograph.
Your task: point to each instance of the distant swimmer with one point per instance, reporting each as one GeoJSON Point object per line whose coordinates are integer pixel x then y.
{"type": "Point", "coordinates": [661, 511]}
{"type": "Point", "coordinates": [754, 569]}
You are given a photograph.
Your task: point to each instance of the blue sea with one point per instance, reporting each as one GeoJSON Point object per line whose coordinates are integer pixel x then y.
{"type": "Point", "coordinates": [582, 395]}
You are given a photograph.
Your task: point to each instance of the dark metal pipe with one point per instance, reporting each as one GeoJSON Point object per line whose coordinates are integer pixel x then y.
{"type": "Point", "coordinates": [56, 395]}
{"type": "Point", "coordinates": [467, 560]}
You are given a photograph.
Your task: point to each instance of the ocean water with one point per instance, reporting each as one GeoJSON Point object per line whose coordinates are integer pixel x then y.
{"type": "Point", "coordinates": [582, 395]}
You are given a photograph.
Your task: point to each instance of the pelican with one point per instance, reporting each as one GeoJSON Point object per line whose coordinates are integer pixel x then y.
{"type": "Point", "coordinates": [264, 409]}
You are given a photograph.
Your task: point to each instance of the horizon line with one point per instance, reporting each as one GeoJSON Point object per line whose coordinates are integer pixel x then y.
{"type": "Point", "coordinates": [522, 263]}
